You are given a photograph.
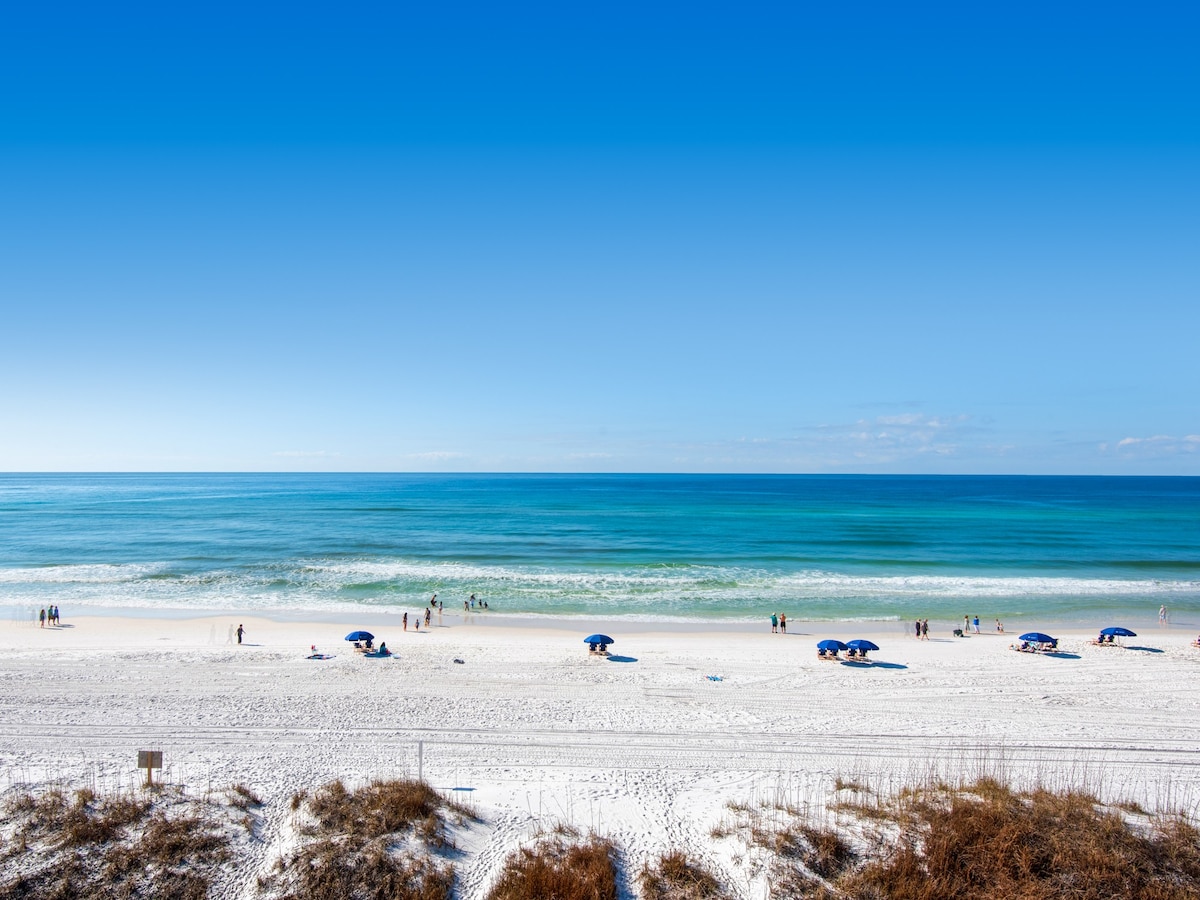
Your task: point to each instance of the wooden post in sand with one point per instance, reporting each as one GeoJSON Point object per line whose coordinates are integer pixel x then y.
{"type": "Point", "coordinates": [149, 760]}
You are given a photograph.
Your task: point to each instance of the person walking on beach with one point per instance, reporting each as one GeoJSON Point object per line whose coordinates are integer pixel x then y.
{"type": "Point", "coordinates": [406, 621]}
{"type": "Point", "coordinates": [924, 629]}
{"type": "Point", "coordinates": [57, 620]}
{"type": "Point", "coordinates": [917, 628]}
{"type": "Point", "coordinates": [240, 631]}
{"type": "Point", "coordinates": [966, 624]}
{"type": "Point", "coordinates": [427, 615]}
{"type": "Point", "coordinates": [975, 624]}
{"type": "Point", "coordinates": [42, 618]}
{"type": "Point", "coordinates": [999, 627]}
{"type": "Point", "coordinates": [783, 623]}
{"type": "Point", "coordinates": [774, 624]}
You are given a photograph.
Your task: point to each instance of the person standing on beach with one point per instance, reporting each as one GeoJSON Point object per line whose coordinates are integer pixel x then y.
{"type": "Point", "coordinates": [1162, 613]}
{"type": "Point", "coordinates": [240, 632]}
{"type": "Point", "coordinates": [406, 621]}
{"type": "Point", "coordinates": [966, 624]}
{"type": "Point", "coordinates": [427, 615]}
{"type": "Point", "coordinates": [917, 628]}
{"type": "Point", "coordinates": [975, 624]}
{"type": "Point", "coordinates": [774, 624]}
{"type": "Point", "coordinates": [924, 629]}
{"type": "Point", "coordinates": [783, 623]}
{"type": "Point", "coordinates": [42, 618]}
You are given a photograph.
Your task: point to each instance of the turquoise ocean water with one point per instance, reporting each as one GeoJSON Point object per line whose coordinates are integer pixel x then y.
{"type": "Point", "coordinates": [647, 546]}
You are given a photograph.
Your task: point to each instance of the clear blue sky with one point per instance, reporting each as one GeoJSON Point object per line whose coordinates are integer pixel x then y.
{"type": "Point", "coordinates": [613, 237]}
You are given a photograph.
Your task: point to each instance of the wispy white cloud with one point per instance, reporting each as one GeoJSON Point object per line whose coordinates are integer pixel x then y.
{"type": "Point", "coordinates": [1155, 445]}
{"type": "Point", "coordinates": [436, 455]}
{"type": "Point", "coordinates": [896, 441]}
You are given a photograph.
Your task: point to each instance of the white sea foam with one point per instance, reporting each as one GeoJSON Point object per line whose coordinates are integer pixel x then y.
{"type": "Point", "coordinates": [671, 592]}
{"type": "Point", "coordinates": [96, 573]}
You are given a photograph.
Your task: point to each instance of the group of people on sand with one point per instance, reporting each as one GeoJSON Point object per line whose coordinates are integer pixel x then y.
{"type": "Point", "coordinates": [779, 623]}
{"type": "Point", "coordinates": [49, 616]}
{"type": "Point", "coordinates": [417, 618]}
{"type": "Point", "coordinates": [971, 625]}
{"type": "Point", "coordinates": [921, 629]}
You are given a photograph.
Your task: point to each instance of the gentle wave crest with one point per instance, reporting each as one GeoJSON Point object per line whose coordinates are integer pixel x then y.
{"type": "Point", "coordinates": [668, 591]}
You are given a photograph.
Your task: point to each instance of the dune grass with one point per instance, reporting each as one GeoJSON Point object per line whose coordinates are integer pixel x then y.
{"type": "Point", "coordinates": [559, 866]}
{"type": "Point", "coordinates": [978, 841]}
{"type": "Point", "coordinates": [105, 848]}
{"type": "Point", "coordinates": [987, 840]}
{"type": "Point", "coordinates": [675, 876]}
{"type": "Point", "coordinates": [362, 844]}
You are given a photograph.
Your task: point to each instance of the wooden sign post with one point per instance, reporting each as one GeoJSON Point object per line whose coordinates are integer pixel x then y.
{"type": "Point", "coordinates": [149, 760]}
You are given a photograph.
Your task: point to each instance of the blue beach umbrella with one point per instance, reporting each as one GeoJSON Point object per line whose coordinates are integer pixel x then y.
{"type": "Point", "coordinates": [360, 636]}
{"type": "Point", "coordinates": [1036, 637]}
{"type": "Point", "coordinates": [1118, 631]}
{"type": "Point", "coordinates": [598, 639]}
{"type": "Point", "coordinates": [830, 644]}
{"type": "Point", "coordinates": [860, 644]}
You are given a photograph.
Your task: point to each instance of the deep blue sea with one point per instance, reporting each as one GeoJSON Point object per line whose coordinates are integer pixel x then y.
{"type": "Point", "coordinates": [709, 547]}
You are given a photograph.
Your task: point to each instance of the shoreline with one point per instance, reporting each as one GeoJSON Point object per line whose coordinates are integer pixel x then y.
{"type": "Point", "coordinates": [1139, 620]}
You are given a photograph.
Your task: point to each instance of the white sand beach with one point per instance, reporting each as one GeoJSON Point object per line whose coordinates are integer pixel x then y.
{"type": "Point", "coordinates": [644, 746]}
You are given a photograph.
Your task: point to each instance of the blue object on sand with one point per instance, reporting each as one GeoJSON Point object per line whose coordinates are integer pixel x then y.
{"type": "Point", "coordinates": [1118, 631]}
{"type": "Point", "coordinates": [830, 644]}
{"type": "Point", "coordinates": [860, 644]}
{"type": "Point", "coordinates": [1036, 637]}
{"type": "Point", "coordinates": [598, 639]}
{"type": "Point", "coordinates": [360, 636]}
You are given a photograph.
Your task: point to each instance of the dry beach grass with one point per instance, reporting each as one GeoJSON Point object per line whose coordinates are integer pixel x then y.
{"type": "Point", "coordinates": [388, 841]}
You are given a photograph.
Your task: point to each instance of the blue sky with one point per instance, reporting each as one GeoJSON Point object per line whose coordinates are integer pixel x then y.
{"type": "Point", "coordinates": [679, 237]}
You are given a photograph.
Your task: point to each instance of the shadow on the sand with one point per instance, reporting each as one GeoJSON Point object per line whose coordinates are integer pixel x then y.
{"type": "Point", "coordinates": [612, 658]}
{"type": "Point", "coordinates": [1060, 654]}
{"type": "Point", "coordinates": [1145, 649]}
{"type": "Point", "coordinates": [872, 664]}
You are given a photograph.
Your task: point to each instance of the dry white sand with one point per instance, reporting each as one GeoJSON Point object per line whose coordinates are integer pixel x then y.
{"type": "Point", "coordinates": [643, 747]}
